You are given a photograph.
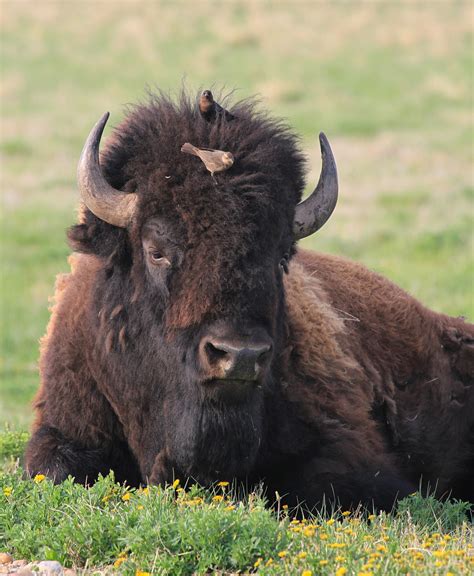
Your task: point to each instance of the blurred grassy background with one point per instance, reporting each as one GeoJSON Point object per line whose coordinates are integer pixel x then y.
{"type": "Point", "coordinates": [391, 85]}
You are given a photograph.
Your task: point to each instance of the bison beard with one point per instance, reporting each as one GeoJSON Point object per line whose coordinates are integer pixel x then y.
{"type": "Point", "coordinates": [179, 347]}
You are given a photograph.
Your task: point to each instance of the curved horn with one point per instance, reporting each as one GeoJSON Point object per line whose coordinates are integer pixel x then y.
{"type": "Point", "coordinates": [107, 203]}
{"type": "Point", "coordinates": [313, 212]}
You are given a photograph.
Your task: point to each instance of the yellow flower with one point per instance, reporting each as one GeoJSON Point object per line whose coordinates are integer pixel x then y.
{"type": "Point", "coordinates": [223, 484]}
{"type": "Point", "coordinates": [126, 497]}
{"type": "Point", "coordinates": [39, 478]}
{"type": "Point", "coordinates": [283, 553]}
{"type": "Point", "coordinates": [175, 483]}
{"type": "Point", "coordinates": [217, 498]}
{"type": "Point", "coordinates": [330, 522]}
{"type": "Point", "coordinates": [8, 491]}
{"type": "Point", "coordinates": [257, 563]}
{"type": "Point", "coordinates": [302, 555]}
{"type": "Point", "coordinates": [341, 571]}
{"type": "Point", "coordinates": [140, 573]}
{"type": "Point", "coordinates": [285, 506]}
{"type": "Point", "coordinates": [146, 491]}
{"type": "Point", "coordinates": [381, 548]}
{"type": "Point", "coordinates": [337, 545]}
{"type": "Point", "coordinates": [193, 501]}
{"type": "Point", "coordinates": [230, 507]}
{"type": "Point", "coordinates": [139, 507]}
{"type": "Point", "coordinates": [340, 559]}
{"type": "Point", "coordinates": [364, 573]}
{"type": "Point", "coordinates": [371, 517]}
{"type": "Point", "coordinates": [323, 536]}
{"type": "Point", "coordinates": [323, 562]}
{"type": "Point", "coordinates": [346, 513]}
{"type": "Point", "coordinates": [120, 560]}
{"type": "Point", "coordinates": [268, 562]}
{"type": "Point", "coordinates": [306, 573]}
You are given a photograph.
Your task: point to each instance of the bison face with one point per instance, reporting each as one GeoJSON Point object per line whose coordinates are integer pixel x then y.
{"type": "Point", "coordinates": [228, 318]}
{"type": "Point", "coordinates": [194, 268]}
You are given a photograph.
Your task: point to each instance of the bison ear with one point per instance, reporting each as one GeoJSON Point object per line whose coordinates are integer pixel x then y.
{"type": "Point", "coordinates": [95, 236]}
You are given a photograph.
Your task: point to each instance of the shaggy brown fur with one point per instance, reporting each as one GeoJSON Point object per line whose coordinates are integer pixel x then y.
{"type": "Point", "coordinates": [366, 392]}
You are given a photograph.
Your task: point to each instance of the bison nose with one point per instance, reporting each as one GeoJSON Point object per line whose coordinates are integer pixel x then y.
{"type": "Point", "coordinates": [224, 359]}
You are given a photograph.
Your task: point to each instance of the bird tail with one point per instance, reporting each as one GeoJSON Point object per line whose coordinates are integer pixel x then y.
{"type": "Point", "coordinates": [188, 148]}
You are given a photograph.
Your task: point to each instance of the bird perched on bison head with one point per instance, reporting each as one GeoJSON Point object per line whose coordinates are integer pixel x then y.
{"type": "Point", "coordinates": [214, 160]}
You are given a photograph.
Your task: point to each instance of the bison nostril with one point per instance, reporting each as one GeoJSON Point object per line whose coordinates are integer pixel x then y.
{"type": "Point", "coordinates": [263, 352]}
{"type": "Point", "coordinates": [214, 353]}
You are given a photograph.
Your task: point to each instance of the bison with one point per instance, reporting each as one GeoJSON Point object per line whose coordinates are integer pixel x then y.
{"type": "Point", "coordinates": [194, 339]}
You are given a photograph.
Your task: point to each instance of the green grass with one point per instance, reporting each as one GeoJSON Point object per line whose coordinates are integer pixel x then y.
{"type": "Point", "coordinates": [180, 531]}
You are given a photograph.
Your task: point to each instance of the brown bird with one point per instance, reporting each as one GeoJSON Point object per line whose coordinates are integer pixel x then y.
{"type": "Point", "coordinates": [214, 160]}
{"type": "Point", "coordinates": [210, 109]}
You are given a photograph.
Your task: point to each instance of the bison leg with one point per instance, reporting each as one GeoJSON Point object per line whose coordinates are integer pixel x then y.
{"type": "Point", "coordinates": [319, 484]}
{"type": "Point", "coordinates": [375, 489]}
{"type": "Point", "coordinates": [49, 452]}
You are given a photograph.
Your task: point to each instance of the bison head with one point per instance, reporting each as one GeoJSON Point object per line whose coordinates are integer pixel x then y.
{"type": "Point", "coordinates": [189, 303]}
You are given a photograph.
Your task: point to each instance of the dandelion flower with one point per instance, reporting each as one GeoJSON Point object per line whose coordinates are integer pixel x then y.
{"type": "Point", "coordinates": [126, 497]}
{"type": "Point", "coordinates": [39, 478]}
{"type": "Point", "coordinates": [223, 484]}
{"type": "Point", "coordinates": [176, 483]}
{"type": "Point", "coordinates": [7, 491]}
{"type": "Point", "coordinates": [217, 498]}
{"type": "Point", "coordinates": [302, 555]}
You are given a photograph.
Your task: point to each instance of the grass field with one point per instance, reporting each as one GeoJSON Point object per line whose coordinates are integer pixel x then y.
{"type": "Point", "coordinates": [390, 84]}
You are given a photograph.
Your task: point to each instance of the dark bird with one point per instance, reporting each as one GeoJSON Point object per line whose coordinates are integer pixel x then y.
{"type": "Point", "coordinates": [214, 160]}
{"type": "Point", "coordinates": [210, 109]}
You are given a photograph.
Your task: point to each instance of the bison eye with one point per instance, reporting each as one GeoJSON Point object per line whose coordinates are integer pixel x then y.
{"type": "Point", "coordinates": [158, 259]}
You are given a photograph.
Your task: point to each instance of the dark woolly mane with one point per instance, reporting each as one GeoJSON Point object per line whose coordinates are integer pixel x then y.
{"type": "Point", "coordinates": [143, 155]}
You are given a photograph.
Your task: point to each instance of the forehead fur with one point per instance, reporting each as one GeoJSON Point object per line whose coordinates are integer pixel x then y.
{"type": "Point", "coordinates": [230, 228]}
{"type": "Point", "coordinates": [144, 153]}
